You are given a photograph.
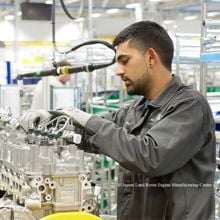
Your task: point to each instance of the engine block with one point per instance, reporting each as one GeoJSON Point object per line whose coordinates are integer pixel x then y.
{"type": "Point", "coordinates": [42, 169]}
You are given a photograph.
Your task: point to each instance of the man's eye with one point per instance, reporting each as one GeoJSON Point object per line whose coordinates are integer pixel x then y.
{"type": "Point", "coordinates": [124, 61]}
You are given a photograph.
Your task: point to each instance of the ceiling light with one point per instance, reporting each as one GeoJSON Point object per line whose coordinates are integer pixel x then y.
{"type": "Point", "coordinates": [213, 14]}
{"type": "Point", "coordinates": [19, 13]}
{"type": "Point", "coordinates": [96, 15]}
{"type": "Point", "coordinates": [112, 11]}
{"type": "Point", "coordinates": [70, 1]}
{"type": "Point", "coordinates": [49, 2]}
{"type": "Point", "coordinates": [80, 19]}
{"type": "Point", "coordinates": [9, 17]}
{"type": "Point", "coordinates": [168, 21]}
{"type": "Point", "coordinates": [132, 5]}
{"type": "Point", "coordinates": [213, 31]}
{"type": "Point", "coordinates": [189, 18]}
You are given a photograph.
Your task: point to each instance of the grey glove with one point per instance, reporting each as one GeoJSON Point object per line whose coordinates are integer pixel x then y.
{"type": "Point", "coordinates": [32, 118]}
{"type": "Point", "coordinates": [79, 117]}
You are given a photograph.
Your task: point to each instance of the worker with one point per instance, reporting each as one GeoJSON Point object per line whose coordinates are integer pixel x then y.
{"type": "Point", "coordinates": [56, 81]}
{"type": "Point", "coordinates": [164, 141]}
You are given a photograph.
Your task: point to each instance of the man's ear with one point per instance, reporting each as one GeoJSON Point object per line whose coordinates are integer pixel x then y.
{"type": "Point", "coordinates": [151, 56]}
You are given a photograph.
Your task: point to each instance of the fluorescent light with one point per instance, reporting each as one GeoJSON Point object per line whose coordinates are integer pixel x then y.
{"type": "Point", "coordinates": [112, 11]}
{"type": "Point", "coordinates": [213, 14]}
{"type": "Point", "coordinates": [9, 17]}
{"type": "Point", "coordinates": [96, 15]}
{"type": "Point", "coordinates": [189, 18]}
{"type": "Point", "coordinates": [19, 13]}
{"type": "Point", "coordinates": [49, 2]}
{"type": "Point", "coordinates": [132, 5]}
{"type": "Point", "coordinates": [80, 19]}
{"type": "Point", "coordinates": [213, 31]}
{"type": "Point", "coordinates": [168, 21]}
{"type": "Point", "coordinates": [154, 0]}
{"type": "Point", "coordinates": [70, 1]}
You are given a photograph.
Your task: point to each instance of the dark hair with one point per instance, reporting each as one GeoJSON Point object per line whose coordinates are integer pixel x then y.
{"type": "Point", "coordinates": [146, 34]}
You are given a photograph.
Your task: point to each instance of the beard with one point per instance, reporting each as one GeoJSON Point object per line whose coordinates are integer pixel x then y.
{"type": "Point", "coordinates": [135, 91]}
{"type": "Point", "coordinates": [140, 86]}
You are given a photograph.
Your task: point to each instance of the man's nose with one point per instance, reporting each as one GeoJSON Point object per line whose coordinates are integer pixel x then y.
{"type": "Point", "coordinates": [119, 70]}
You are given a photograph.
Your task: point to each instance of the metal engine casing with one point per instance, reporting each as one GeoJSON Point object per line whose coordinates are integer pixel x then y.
{"type": "Point", "coordinates": [42, 169]}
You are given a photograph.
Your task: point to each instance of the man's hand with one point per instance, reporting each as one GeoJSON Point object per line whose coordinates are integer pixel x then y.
{"type": "Point", "coordinates": [32, 118]}
{"type": "Point", "coordinates": [79, 117]}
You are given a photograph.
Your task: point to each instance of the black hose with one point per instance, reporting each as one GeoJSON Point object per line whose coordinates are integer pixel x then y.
{"type": "Point", "coordinates": [67, 12]}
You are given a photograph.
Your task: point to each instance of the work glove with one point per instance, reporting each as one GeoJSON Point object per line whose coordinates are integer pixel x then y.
{"type": "Point", "coordinates": [32, 118]}
{"type": "Point", "coordinates": [79, 117]}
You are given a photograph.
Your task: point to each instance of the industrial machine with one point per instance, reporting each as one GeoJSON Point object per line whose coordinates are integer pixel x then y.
{"type": "Point", "coordinates": [41, 170]}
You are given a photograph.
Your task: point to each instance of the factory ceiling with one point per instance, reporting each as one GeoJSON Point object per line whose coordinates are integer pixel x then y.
{"type": "Point", "coordinates": [166, 9]}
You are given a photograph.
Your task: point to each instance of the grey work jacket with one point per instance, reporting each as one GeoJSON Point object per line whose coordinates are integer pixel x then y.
{"type": "Point", "coordinates": [166, 152]}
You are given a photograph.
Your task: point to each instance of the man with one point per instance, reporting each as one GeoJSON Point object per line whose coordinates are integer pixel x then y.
{"type": "Point", "coordinates": [164, 141]}
{"type": "Point", "coordinates": [57, 81]}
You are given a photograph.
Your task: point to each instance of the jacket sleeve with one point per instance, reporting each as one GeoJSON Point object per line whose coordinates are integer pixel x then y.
{"type": "Point", "coordinates": [114, 117]}
{"type": "Point", "coordinates": [167, 146]}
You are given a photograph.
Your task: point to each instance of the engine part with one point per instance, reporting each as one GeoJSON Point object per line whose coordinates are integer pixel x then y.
{"type": "Point", "coordinates": [42, 170]}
